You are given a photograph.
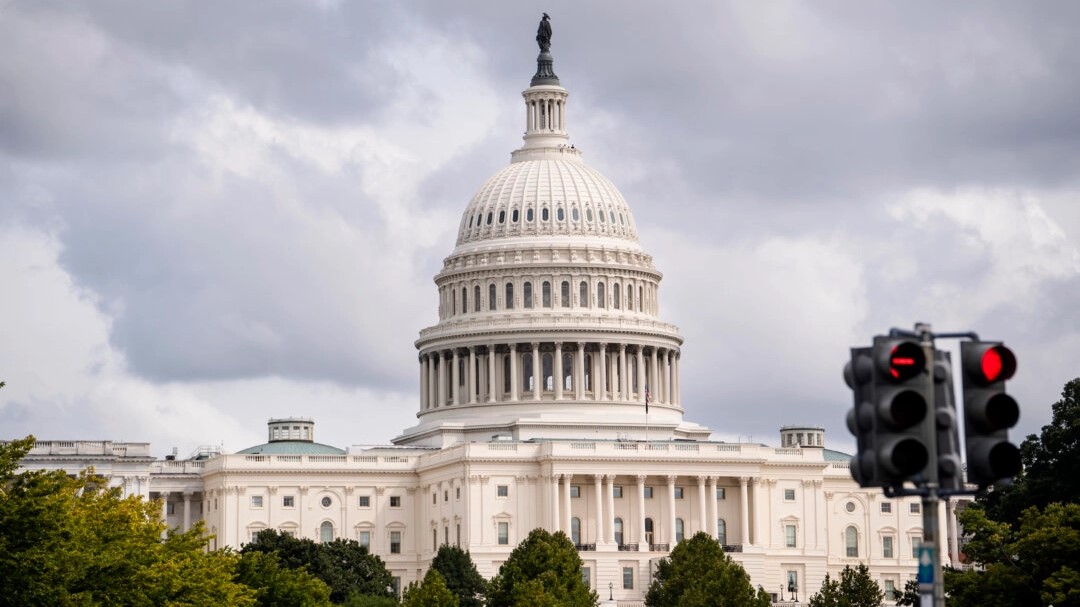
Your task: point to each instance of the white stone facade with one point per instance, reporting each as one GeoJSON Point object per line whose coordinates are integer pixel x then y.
{"type": "Point", "coordinates": [534, 386]}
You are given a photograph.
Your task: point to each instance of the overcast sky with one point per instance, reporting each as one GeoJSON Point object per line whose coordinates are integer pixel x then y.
{"type": "Point", "coordinates": [216, 213]}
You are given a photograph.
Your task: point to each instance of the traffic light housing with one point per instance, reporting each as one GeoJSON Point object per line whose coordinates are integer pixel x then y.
{"type": "Point", "coordinates": [988, 412]}
{"type": "Point", "coordinates": [904, 429]}
{"type": "Point", "coordinates": [859, 375]}
{"type": "Point", "coordinates": [949, 469]}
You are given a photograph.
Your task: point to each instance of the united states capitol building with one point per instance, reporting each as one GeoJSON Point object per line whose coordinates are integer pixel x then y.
{"type": "Point", "coordinates": [548, 397]}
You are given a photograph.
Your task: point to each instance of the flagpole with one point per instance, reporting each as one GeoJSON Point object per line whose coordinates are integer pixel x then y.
{"type": "Point", "coordinates": [646, 413]}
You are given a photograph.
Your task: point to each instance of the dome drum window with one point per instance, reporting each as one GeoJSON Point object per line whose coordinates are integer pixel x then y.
{"type": "Point", "coordinates": [529, 215]}
{"type": "Point", "coordinates": [560, 214]}
{"type": "Point", "coordinates": [544, 214]}
{"type": "Point", "coordinates": [502, 217]}
{"type": "Point", "coordinates": [574, 214]}
{"type": "Point", "coordinates": [514, 216]}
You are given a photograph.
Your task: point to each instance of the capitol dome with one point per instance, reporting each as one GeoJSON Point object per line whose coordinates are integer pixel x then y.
{"type": "Point", "coordinates": [549, 312]}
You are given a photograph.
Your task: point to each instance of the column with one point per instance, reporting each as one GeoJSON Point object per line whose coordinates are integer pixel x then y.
{"type": "Point", "coordinates": [513, 374]}
{"type": "Point", "coordinates": [641, 374]}
{"type": "Point", "coordinates": [558, 371]}
{"type": "Point", "coordinates": [455, 379]}
{"type": "Point", "coordinates": [423, 383]}
{"type": "Point", "coordinates": [187, 511]}
{"type": "Point", "coordinates": [950, 517]}
{"type": "Point", "coordinates": [433, 384]}
{"type": "Point", "coordinates": [702, 521]}
{"type": "Point", "coordinates": [624, 380]}
{"type": "Point", "coordinates": [165, 511]}
{"type": "Point", "coordinates": [654, 389]}
{"type": "Point", "coordinates": [600, 388]}
{"type": "Point", "coordinates": [671, 511]}
{"type": "Point", "coordinates": [441, 401]}
{"type": "Point", "coordinates": [759, 534]}
{"type": "Point", "coordinates": [579, 381]}
{"type": "Point", "coordinates": [554, 503]}
{"type": "Point", "coordinates": [474, 386]}
{"type": "Point", "coordinates": [609, 494]}
{"type": "Point", "coordinates": [643, 544]}
{"type": "Point", "coordinates": [598, 494]}
{"type": "Point", "coordinates": [667, 377]}
{"type": "Point", "coordinates": [678, 380]}
{"type": "Point", "coordinates": [566, 502]}
{"type": "Point", "coordinates": [713, 515]}
{"type": "Point", "coordinates": [613, 373]}
{"type": "Point", "coordinates": [491, 373]}
{"type": "Point", "coordinates": [537, 380]}
{"type": "Point", "coordinates": [744, 512]}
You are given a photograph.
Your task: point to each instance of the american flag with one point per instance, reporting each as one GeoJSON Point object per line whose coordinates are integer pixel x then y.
{"type": "Point", "coordinates": [648, 397]}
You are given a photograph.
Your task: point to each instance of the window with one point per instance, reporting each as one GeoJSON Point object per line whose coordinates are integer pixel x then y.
{"type": "Point", "coordinates": [434, 539]}
{"type": "Point", "coordinates": [364, 539]}
{"type": "Point", "coordinates": [256, 501]}
{"type": "Point", "coordinates": [545, 214]}
{"type": "Point", "coordinates": [601, 296]}
{"type": "Point", "coordinates": [721, 531]}
{"type": "Point", "coordinates": [789, 495]}
{"type": "Point", "coordinates": [529, 215]}
{"type": "Point", "coordinates": [789, 536]}
{"type": "Point", "coordinates": [615, 291]}
{"type": "Point", "coordinates": [395, 501]}
{"type": "Point", "coordinates": [502, 216]}
{"type": "Point", "coordinates": [915, 542]}
{"type": "Point", "coordinates": [887, 546]}
{"type": "Point", "coordinates": [457, 493]}
{"type": "Point", "coordinates": [575, 491]}
{"type": "Point", "coordinates": [464, 300]}
{"type": "Point", "coordinates": [395, 585]}
{"type": "Point", "coordinates": [509, 304]}
{"type": "Point", "coordinates": [476, 298]}
{"type": "Point", "coordinates": [564, 295]}
{"type": "Point", "coordinates": [560, 214]}
{"type": "Point", "coordinates": [600, 216]}
{"type": "Point", "coordinates": [851, 542]}
{"type": "Point", "coordinates": [648, 530]}
{"type": "Point", "coordinates": [679, 530]}
{"type": "Point", "coordinates": [588, 215]}
{"type": "Point", "coordinates": [491, 297]}
{"type": "Point", "coordinates": [793, 581]}
{"type": "Point", "coordinates": [616, 491]}
{"type": "Point", "coordinates": [546, 294]}
{"type": "Point", "coordinates": [678, 493]}
{"type": "Point", "coordinates": [574, 213]}
{"type": "Point", "coordinates": [586, 576]}
{"type": "Point", "coordinates": [504, 533]}
{"type": "Point", "coordinates": [458, 542]}
{"type": "Point", "coordinates": [721, 493]}
{"type": "Point", "coordinates": [514, 216]}
{"type": "Point", "coordinates": [583, 294]}
{"type": "Point", "coordinates": [629, 297]}
{"type": "Point", "coordinates": [527, 294]}
{"type": "Point", "coordinates": [628, 578]}
{"type": "Point", "coordinates": [326, 501]}
{"type": "Point", "coordinates": [446, 495]}
{"type": "Point", "coordinates": [326, 532]}
{"type": "Point", "coordinates": [890, 590]}
{"type": "Point", "coordinates": [395, 542]}
{"type": "Point", "coordinates": [502, 490]}
{"type": "Point", "coordinates": [886, 507]}
{"type": "Point", "coordinates": [288, 501]}
{"type": "Point", "coordinates": [648, 493]}
{"type": "Point", "coordinates": [914, 508]}
{"type": "Point", "coordinates": [618, 532]}
{"type": "Point", "coordinates": [575, 531]}
{"type": "Point", "coordinates": [434, 498]}
{"type": "Point", "coordinates": [365, 501]}
{"type": "Point", "coordinates": [489, 216]}
{"type": "Point", "coordinates": [850, 506]}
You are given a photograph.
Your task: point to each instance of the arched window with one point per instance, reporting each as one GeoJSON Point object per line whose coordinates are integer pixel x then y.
{"type": "Point", "coordinates": [600, 216]}
{"type": "Point", "coordinates": [476, 298]}
{"type": "Point", "coordinates": [648, 531]}
{"type": "Point", "coordinates": [721, 531]}
{"type": "Point", "coordinates": [588, 372]}
{"type": "Point", "coordinates": [326, 532]}
{"type": "Point", "coordinates": [464, 300]}
{"type": "Point", "coordinates": [564, 300]}
{"type": "Point", "coordinates": [560, 214]}
{"type": "Point", "coordinates": [588, 215]}
{"type": "Point", "coordinates": [502, 216]}
{"type": "Point", "coordinates": [574, 213]}
{"type": "Point", "coordinates": [526, 292]}
{"type": "Point", "coordinates": [544, 214]}
{"type": "Point", "coordinates": [568, 371]}
{"type": "Point", "coordinates": [527, 369]}
{"type": "Point", "coordinates": [851, 541]}
{"type": "Point", "coordinates": [491, 297]}
{"type": "Point", "coordinates": [546, 362]}
{"type": "Point", "coordinates": [601, 296]}
{"type": "Point", "coordinates": [678, 530]}
{"type": "Point", "coordinates": [509, 304]}
{"type": "Point", "coordinates": [583, 295]}
{"type": "Point", "coordinates": [489, 216]}
{"type": "Point", "coordinates": [616, 292]}
{"type": "Point", "coordinates": [453, 301]}
{"type": "Point", "coordinates": [514, 216]}
{"type": "Point", "coordinates": [546, 294]}
{"type": "Point", "coordinates": [529, 215]}
{"type": "Point", "coordinates": [618, 532]}
{"type": "Point", "coordinates": [575, 531]}
{"type": "Point", "coordinates": [639, 298]}
{"type": "Point", "coordinates": [630, 297]}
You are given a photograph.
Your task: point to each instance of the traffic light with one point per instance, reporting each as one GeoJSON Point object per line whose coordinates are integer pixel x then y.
{"type": "Point", "coordinates": [859, 375]}
{"type": "Point", "coordinates": [988, 412]}
{"type": "Point", "coordinates": [904, 431]}
{"type": "Point", "coordinates": [949, 470]}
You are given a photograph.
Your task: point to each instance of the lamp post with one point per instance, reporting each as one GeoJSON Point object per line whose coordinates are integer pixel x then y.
{"type": "Point", "coordinates": [610, 590]}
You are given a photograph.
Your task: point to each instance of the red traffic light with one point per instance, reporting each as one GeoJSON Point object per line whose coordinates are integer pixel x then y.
{"type": "Point", "coordinates": [903, 361]}
{"type": "Point", "coordinates": [989, 363]}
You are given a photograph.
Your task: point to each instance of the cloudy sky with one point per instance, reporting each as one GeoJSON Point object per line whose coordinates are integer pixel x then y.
{"type": "Point", "coordinates": [216, 213]}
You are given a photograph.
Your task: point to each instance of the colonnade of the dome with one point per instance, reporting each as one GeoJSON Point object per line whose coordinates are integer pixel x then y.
{"type": "Point", "coordinates": [548, 371]}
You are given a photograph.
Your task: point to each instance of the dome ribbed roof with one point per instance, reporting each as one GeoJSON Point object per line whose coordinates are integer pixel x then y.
{"type": "Point", "coordinates": [547, 196]}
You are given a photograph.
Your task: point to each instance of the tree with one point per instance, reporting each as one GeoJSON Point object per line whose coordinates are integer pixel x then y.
{"type": "Point", "coordinates": [854, 589]}
{"type": "Point", "coordinates": [699, 574]}
{"type": "Point", "coordinates": [432, 592]}
{"type": "Point", "coordinates": [68, 541]}
{"type": "Point", "coordinates": [344, 565]}
{"type": "Point", "coordinates": [1050, 461]}
{"type": "Point", "coordinates": [460, 574]}
{"type": "Point", "coordinates": [279, 586]}
{"type": "Point", "coordinates": [543, 570]}
{"type": "Point", "coordinates": [910, 597]}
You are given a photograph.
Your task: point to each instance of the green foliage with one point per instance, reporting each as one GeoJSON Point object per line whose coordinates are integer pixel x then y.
{"type": "Point", "coordinates": [432, 592]}
{"type": "Point", "coordinates": [74, 541]}
{"type": "Point", "coordinates": [1050, 464]}
{"type": "Point", "coordinates": [699, 574]}
{"type": "Point", "coordinates": [543, 570]}
{"type": "Point", "coordinates": [460, 574]}
{"type": "Point", "coordinates": [910, 597]}
{"type": "Point", "coordinates": [854, 589]}
{"type": "Point", "coordinates": [279, 586]}
{"type": "Point", "coordinates": [364, 600]}
{"type": "Point", "coordinates": [343, 565]}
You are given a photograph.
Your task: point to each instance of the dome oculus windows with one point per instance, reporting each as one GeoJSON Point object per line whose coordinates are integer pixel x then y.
{"type": "Point", "coordinates": [560, 214]}
{"type": "Point", "coordinates": [544, 215]}
{"type": "Point", "coordinates": [514, 216]}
